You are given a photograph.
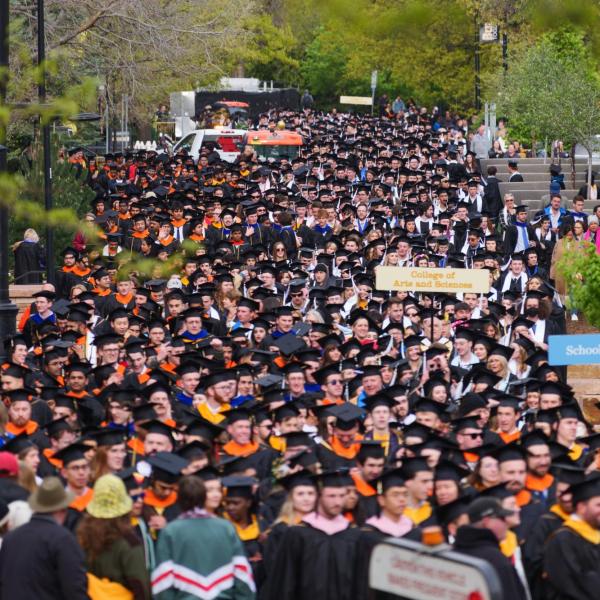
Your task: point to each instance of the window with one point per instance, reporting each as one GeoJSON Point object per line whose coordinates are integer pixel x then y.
{"type": "Point", "coordinates": [186, 143]}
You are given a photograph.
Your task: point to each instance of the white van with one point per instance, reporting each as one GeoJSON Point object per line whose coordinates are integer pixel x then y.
{"type": "Point", "coordinates": [227, 142]}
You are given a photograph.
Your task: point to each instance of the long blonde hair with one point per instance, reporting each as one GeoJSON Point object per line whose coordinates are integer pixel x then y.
{"type": "Point", "coordinates": [287, 514]}
{"type": "Point", "coordinates": [26, 477]}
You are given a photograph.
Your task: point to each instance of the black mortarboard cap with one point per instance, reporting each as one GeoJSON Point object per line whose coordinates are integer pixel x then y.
{"type": "Point", "coordinates": [239, 486]}
{"type": "Point", "coordinates": [193, 450]}
{"type": "Point", "coordinates": [587, 489]}
{"type": "Point", "coordinates": [389, 479]}
{"type": "Point", "coordinates": [447, 470]}
{"type": "Point", "coordinates": [289, 344]}
{"type": "Point", "coordinates": [370, 449]}
{"type": "Point", "coordinates": [347, 415]}
{"type": "Point", "coordinates": [18, 444]}
{"type": "Point", "coordinates": [110, 437]}
{"type": "Point", "coordinates": [296, 479]}
{"type": "Point", "coordinates": [167, 466]}
{"type": "Point", "coordinates": [335, 478]}
{"type": "Point", "coordinates": [71, 453]}
{"type": "Point", "coordinates": [565, 472]}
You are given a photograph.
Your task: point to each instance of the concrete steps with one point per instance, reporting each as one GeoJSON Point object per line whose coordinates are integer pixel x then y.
{"type": "Point", "coordinates": [535, 190]}
{"type": "Point", "coordinates": [543, 179]}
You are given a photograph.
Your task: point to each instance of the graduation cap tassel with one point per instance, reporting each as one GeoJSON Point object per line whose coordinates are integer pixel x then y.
{"type": "Point", "coordinates": [347, 392]}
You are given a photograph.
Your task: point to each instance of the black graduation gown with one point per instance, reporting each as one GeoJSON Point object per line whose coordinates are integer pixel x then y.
{"type": "Point", "coordinates": [571, 566]}
{"type": "Point", "coordinates": [533, 552]}
{"type": "Point", "coordinates": [368, 506]}
{"type": "Point", "coordinates": [311, 565]}
{"type": "Point", "coordinates": [271, 547]}
{"type": "Point", "coordinates": [369, 537]}
{"type": "Point", "coordinates": [482, 543]}
{"type": "Point", "coordinates": [530, 515]}
{"type": "Point", "coordinates": [29, 263]}
{"type": "Point", "coordinates": [330, 460]}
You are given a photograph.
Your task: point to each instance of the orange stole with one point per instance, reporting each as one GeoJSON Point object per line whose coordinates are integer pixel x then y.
{"type": "Point", "coordinates": [234, 449]}
{"type": "Point", "coordinates": [29, 428]}
{"type": "Point", "coordinates": [151, 499]}
{"type": "Point", "coordinates": [80, 503]}
{"type": "Point", "coordinates": [340, 450]}
{"type": "Point", "coordinates": [507, 438]}
{"type": "Point", "coordinates": [362, 487]}
{"type": "Point", "coordinates": [539, 484]}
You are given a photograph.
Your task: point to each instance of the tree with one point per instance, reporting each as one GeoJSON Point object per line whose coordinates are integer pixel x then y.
{"type": "Point", "coordinates": [142, 48]}
{"type": "Point", "coordinates": [553, 92]}
{"type": "Point", "coordinates": [582, 274]}
{"type": "Point", "coordinates": [272, 52]}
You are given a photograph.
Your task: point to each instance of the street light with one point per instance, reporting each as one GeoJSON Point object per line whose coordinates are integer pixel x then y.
{"type": "Point", "coordinates": [45, 141]}
{"type": "Point", "coordinates": [8, 311]}
{"type": "Point", "coordinates": [104, 93]}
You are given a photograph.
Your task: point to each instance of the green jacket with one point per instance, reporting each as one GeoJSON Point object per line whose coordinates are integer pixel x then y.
{"type": "Point", "coordinates": [125, 563]}
{"type": "Point", "coordinates": [201, 556]}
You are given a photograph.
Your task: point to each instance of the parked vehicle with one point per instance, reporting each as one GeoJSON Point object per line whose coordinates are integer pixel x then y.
{"type": "Point", "coordinates": [227, 142]}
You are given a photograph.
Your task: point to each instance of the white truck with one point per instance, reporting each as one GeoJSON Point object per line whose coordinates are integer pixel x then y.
{"type": "Point", "coordinates": [227, 142]}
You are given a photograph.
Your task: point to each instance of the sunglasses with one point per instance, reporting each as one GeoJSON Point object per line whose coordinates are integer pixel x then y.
{"type": "Point", "coordinates": [296, 294]}
{"type": "Point", "coordinates": [473, 436]}
{"type": "Point", "coordinates": [140, 496]}
{"type": "Point", "coordinates": [335, 382]}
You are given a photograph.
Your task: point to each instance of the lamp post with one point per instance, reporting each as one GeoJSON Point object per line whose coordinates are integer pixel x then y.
{"type": "Point", "coordinates": [45, 140]}
{"type": "Point", "coordinates": [8, 311]}
{"type": "Point", "coordinates": [477, 67]}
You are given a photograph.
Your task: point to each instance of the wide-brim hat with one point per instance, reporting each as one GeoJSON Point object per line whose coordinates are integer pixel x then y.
{"type": "Point", "coordinates": [110, 499]}
{"type": "Point", "coordinates": [50, 497]}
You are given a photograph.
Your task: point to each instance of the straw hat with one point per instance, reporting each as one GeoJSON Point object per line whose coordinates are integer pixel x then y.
{"type": "Point", "coordinates": [50, 497]}
{"type": "Point", "coordinates": [110, 499]}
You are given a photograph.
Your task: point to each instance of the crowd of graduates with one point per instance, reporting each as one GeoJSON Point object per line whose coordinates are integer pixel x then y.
{"type": "Point", "coordinates": [222, 325]}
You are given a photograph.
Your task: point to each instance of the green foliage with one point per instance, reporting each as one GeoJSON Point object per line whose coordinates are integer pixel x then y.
{"type": "Point", "coordinates": [552, 90]}
{"type": "Point", "coordinates": [270, 53]}
{"type": "Point", "coordinates": [323, 65]}
{"type": "Point", "coordinates": [582, 273]}
{"type": "Point", "coordinates": [70, 197]}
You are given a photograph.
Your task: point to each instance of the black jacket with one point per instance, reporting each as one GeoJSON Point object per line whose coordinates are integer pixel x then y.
{"type": "Point", "coordinates": [492, 200]}
{"type": "Point", "coordinates": [482, 543]}
{"type": "Point", "coordinates": [29, 263]}
{"type": "Point", "coordinates": [10, 491]}
{"type": "Point", "coordinates": [42, 560]}
{"type": "Point", "coordinates": [511, 237]}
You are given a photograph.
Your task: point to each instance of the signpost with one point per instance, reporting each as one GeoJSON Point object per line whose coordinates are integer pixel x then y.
{"type": "Point", "coordinates": [360, 100]}
{"type": "Point", "coordinates": [415, 279]}
{"type": "Point", "coordinates": [581, 349]}
{"type": "Point", "coordinates": [373, 88]}
{"type": "Point", "coordinates": [408, 570]}
{"type": "Point", "coordinates": [488, 33]}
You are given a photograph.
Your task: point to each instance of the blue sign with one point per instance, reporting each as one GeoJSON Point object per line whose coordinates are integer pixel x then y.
{"type": "Point", "coordinates": [574, 349]}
